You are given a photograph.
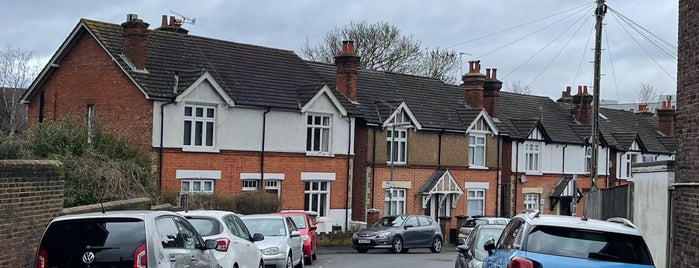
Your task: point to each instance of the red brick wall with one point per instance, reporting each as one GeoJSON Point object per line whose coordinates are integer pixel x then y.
{"type": "Point", "coordinates": [232, 163]}
{"type": "Point", "coordinates": [685, 208]}
{"type": "Point", "coordinates": [359, 179]}
{"type": "Point", "coordinates": [87, 75]}
{"type": "Point", "coordinates": [548, 183]}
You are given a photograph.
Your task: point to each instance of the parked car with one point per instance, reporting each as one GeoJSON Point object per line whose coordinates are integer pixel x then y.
{"type": "Point", "coordinates": [472, 253]}
{"type": "Point", "coordinates": [235, 245]}
{"type": "Point", "coordinates": [282, 247]}
{"type": "Point", "coordinates": [400, 233]}
{"type": "Point", "coordinates": [136, 239]}
{"type": "Point", "coordinates": [307, 228]}
{"type": "Point", "coordinates": [473, 221]}
{"type": "Point", "coordinates": [535, 240]}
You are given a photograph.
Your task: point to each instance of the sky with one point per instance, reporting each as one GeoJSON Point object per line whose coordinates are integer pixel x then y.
{"type": "Point", "coordinates": [544, 44]}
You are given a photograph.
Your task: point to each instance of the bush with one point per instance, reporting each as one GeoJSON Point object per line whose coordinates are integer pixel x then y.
{"type": "Point", "coordinates": [256, 202]}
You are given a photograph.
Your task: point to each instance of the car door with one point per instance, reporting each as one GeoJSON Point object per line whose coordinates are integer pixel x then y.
{"type": "Point", "coordinates": [411, 232]}
{"type": "Point", "coordinates": [428, 229]}
{"type": "Point", "coordinates": [251, 252]}
{"type": "Point", "coordinates": [505, 246]}
{"type": "Point", "coordinates": [181, 244]}
{"type": "Point", "coordinates": [294, 241]}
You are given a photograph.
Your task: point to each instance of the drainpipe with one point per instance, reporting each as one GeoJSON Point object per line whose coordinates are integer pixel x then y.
{"type": "Point", "coordinates": [262, 154]}
{"type": "Point", "coordinates": [498, 202]}
{"type": "Point", "coordinates": [439, 150]}
{"type": "Point", "coordinates": [347, 187]}
{"type": "Point", "coordinates": [563, 164]}
{"type": "Point", "coordinates": [514, 208]}
{"type": "Point", "coordinates": [160, 157]}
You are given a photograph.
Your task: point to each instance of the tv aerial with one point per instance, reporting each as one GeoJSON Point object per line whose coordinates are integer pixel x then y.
{"type": "Point", "coordinates": [191, 21]}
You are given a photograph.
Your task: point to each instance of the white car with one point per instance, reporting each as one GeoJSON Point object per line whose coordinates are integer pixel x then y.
{"type": "Point", "coordinates": [235, 244]}
{"type": "Point", "coordinates": [283, 246]}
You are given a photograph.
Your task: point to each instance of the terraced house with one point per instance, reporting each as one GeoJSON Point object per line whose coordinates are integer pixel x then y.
{"type": "Point", "coordinates": [223, 117]}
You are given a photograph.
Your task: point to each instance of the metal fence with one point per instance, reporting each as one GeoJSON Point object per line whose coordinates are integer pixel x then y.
{"type": "Point", "coordinates": [610, 202]}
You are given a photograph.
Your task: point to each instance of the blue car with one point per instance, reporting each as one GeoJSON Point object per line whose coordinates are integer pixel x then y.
{"type": "Point", "coordinates": [532, 240]}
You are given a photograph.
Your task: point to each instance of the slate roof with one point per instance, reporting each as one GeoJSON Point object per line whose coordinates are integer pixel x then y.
{"type": "Point", "coordinates": [250, 75]}
{"type": "Point", "coordinates": [432, 181]}
{"type": "Point", "coordinates": [519, 114]}
{"type": "Point", "coordinates": [436, 105]}
{"type": "Point", "coordinates": [625, 126]}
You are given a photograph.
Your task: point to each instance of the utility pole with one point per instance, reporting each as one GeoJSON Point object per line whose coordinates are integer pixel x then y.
{"type": "Point", "coordinates": [594, 136]}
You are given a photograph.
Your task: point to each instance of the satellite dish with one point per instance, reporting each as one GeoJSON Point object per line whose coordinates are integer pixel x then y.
{"type": "Point", "coordinates": [523, 178]}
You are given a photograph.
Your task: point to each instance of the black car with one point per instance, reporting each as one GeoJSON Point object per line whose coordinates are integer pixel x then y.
{"type": "Point", "coordinates": [472, 253]}
{"type": "Point", "coordinates": [399, 233]}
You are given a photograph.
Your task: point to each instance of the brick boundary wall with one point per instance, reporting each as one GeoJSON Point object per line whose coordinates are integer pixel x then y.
{"type": "Point", "coordinates": [31, 194]}
{"type": "Point", "coordinates": [142, 203]}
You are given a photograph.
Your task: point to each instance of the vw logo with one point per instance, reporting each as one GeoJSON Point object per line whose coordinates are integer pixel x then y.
{"type": "Point", "coordinates": [88, 257]}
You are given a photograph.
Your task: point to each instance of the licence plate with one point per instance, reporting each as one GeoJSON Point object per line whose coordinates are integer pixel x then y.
{"type": "Point", "coordinates": [364, 241]}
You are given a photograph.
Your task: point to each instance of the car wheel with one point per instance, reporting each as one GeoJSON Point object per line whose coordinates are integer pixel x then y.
{"type": "Point", "coordinates": [362, 250]}
{"type": "Point", "coordinates": [314, 256]}
{"type": "Point", "coordinates": [397, 245]}
{"type": "Point", "coordinates": [404, 250]}
{"type": "Point", "coordinates": [436, 245]}
{"type": "Point", "coordinates": [308, 261]}
{"type": "Point", "coordinates": [300, 265]}
{"type": "Point", "coordinates": [262, 264]}
{"type": "Point", "coordinates": [289, 262]}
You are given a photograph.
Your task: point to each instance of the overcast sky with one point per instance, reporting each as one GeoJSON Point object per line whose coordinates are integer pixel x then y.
{"type": "Point", "coordinates": [550, 53]}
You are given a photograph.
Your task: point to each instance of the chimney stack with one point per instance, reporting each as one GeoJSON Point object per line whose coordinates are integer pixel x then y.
{"type": "Point", "coordinates": [171, 24]}
{"type": "Point", "coordinates": [565, 96]}
{"type": "Point", "coordinates": [642, 109]}
{"type": "Point", "coordinates": [347, 64]}
{"type": "Point", "coordinates": [583, 105]}
{"type": "Point", "coordinates": [473, 84]}
{"type": "Point", "coordinates": [666, 118]}
{"type": "Point", "coordinates": [135, 33]}
{"type": "Point", "coordinates": [491, 92]}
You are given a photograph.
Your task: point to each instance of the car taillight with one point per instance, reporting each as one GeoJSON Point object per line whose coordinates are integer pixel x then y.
{"type": "Point", "coordinates": [140, 258]}
{"type": "Point", "coordinates": [222, 244]}
{"type": "Point", "coordinates": [41, 261]}
{"type": "Point", "coordinates": [519, 262]}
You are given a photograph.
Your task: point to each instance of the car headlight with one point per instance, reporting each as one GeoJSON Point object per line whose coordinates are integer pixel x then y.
{"type": "Point", "coordinates": [354, 235]}
{"type": "Point", "coordinates": [305, 237]}
{"type": "Point", "coordinates": [383, 234]}
{"type": "Point", "coordinates": [270, 251]}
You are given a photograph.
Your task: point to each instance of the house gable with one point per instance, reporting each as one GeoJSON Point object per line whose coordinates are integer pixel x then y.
{"type": "Point", "coordinates": [483, 123]}
{"type": "Point", "coordinates": [195, 92]}
{"type": "Point", "coordinates": [402, 116]}
{"type": "Point", "coordinates": [443, 184]}
{"type": "Point", "coordinates": [324, 92]}
{"type": "Point", "coordinates": [538, 134]}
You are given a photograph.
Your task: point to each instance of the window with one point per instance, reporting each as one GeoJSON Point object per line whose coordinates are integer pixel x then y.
{"type": "Point", "coordinates": [531, 152]}
{"type": "Point", "coordinates": [199, 123]}
{"type": "Point", "coordinates": [197, 186]}
{"type": "Point", "coordinates": [394, 201]}
{"type": "Point", "coordinates": [396, 145]}
{"type": "Point", "coordinates": [631, 158]}
{"type": "Point", "coordinates": [272, 186]}
{"type": "Point", "coordinates": [318, 134]}
{"type": "Point", "coordinates": [531, 201]}
{"type": "Point", "coordinates": [249, 185]}
{"type": "Point", "coordinates": [445, 207]}
{"type": "Point", "coordinates": [476, 150]}
{"type": "Point", "coordinates": [475, 202]}
{"type": "Point", "coordinates": [90, 122]}
{"type": "Point", "coordinates": [588, 159]}
{"type": "Point", "coordinates": [316, 197]}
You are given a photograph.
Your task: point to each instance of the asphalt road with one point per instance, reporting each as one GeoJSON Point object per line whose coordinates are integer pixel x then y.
{"type": "Point", "coordinates": [339, 257]}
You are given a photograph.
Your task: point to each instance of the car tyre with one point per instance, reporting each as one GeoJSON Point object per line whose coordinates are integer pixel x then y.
{"type": "Point", "coordinates": [262, 265]}
{"type": "Point", "coordinates": [314, 256]}
{"type": "Point", "coordinates": [397, 245]}
{"type": "Point", "coordinates": [436, 245]}
{"type": "Point", "coordinates": [404, 250]}
{"type": "Point", "coordinates": [289, 261]}
{"type": "Point", "coordinates": [362, 250]}
{"type": "Point", "coordinates": [308, 261]}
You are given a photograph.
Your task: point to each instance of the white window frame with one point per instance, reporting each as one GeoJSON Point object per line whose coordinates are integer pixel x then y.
{"type": "Point", "coordinates": [202, 186]}
{"type": "Point", "coordinates": [531, 201]}
{"type": "Point", "coordinates": [309, 192]}
{"type": "Point", "coordinates": [588, 160]}
{"type": "Point", "coordinates": [273, 186]}
{"type": "Point", "coordinates": [205, 120]}
{"type": "Point", "coordinates": [318, 134]}
{"type": "Point", "coordinates": [473, 195]}
{"type": "Point", "coordinates": [250, 185]}
{"type": "Point", "coordinates": [475, 146]}
{"type": "Point", "coordinates": [90, 122]}
{"type": "Point", "coordinates": [399, 155]}
{"type": "Point", "coordinates": [532, 157]}
{"type": "Point", "coordinates": [630, 158]}
{"type": "Point", "coordinates": [394, 201]}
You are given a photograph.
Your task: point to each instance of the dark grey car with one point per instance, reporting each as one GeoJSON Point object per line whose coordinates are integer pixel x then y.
{"type": "Point", "coordinates": [399, 233]}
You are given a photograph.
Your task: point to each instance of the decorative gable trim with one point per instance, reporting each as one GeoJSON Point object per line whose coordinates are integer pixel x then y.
{"type": "Point", "coordinates": [325, 90]}
{"type": "Point", "coordinates": [403, 107]}
{"type": "Point", "coordinates": [483, 115]}
{"type": "Point", "coordinates": [538, 133]}
{"type": "Point", "coordinates": [444, 186]}
{"type": "Point", "coordinates": [637, 145]}
{"type": "Point", "coordinates": [206, 77]}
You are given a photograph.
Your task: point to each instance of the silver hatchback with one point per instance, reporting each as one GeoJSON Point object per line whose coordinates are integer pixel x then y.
{"type": "Point", "coordinates": [135, 239]}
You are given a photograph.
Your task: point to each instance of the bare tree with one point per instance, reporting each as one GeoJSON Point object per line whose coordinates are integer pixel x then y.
{"type": "Point", "coordinates": [382, 47]}
{"type": "Point", "coordinates": [516, 86]}
{"type": "Point", "coordinates": [647, 94]}
{"type": "Point", "coordinates": [16, 73]}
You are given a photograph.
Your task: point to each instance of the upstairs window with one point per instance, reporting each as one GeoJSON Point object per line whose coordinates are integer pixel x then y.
{"type": "Point", "coordinates": [396, 145]}
{"type": "Point", "coordinates": [532, 152]}
{"type": "Point", "coordinates": [199, 124]}
{"type": "Point", "coordinates": [318, 134]}
{"type": "Point", "coordinates": [476, 150]}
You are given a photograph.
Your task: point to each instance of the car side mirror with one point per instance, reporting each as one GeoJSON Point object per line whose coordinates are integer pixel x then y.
{"type": "Point", "coordinates": [489, 246]}
{"type": "Point", "coordinates": [408, 226]}
{"type": "Point", "coordinates": [258, 237]}
{"type": "Point", "coordinates": [295, 234]}
{"type": "Point", "coordinates": [210, 244]}
{"type": "Point", "coordinates": [314, 227]}
{"type": "Point", "coordinates": [462, 248]}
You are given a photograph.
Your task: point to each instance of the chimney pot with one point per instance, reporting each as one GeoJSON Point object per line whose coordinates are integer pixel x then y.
{"type": "Point", "coordinates": [585, 90]}
{"type": "Point", "coordinates": [487, 73]}
{"type": "Point", "coordinates": [495, 74]}
{"type": "Point", "coordinates": [478, 66]}
{"type": "Point", "coordinates": [163, 21]}
{"type": "Point", "coordinates": [579, 90]}
{"type": "Point", "coordinates": [471, 66]}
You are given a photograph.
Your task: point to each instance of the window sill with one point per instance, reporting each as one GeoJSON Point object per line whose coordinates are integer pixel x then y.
{"type": "Point", "coordinates": [388, 164]}
{"type": "Point", "coordinates": [319, 154]}
{"type": "Point", "coordinates": [534, 173]}
{"type": "Point", "coordinates": [200, 150]}
{"type": "Point", "coordinates": [478, 167]}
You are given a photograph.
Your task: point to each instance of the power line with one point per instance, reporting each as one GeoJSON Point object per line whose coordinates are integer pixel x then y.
{"type": "Point", "coordinates": [670, 45]}
{"type": "Point", "coordinates": [587, 43]}
{"type": "Point", "coordinates": [611, 63]}
{"type": "Point", "coordinates": [669, 52]}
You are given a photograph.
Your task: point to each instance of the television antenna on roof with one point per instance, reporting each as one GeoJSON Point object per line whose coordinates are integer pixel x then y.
{"type": "Point", "coordinates": [191, 21]}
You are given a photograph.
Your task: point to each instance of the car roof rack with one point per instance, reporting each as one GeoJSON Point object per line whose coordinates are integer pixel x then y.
{"type": "Point", "coordinates": [623, 221]}
{"type": "Point", "coordinates": [531, 213]}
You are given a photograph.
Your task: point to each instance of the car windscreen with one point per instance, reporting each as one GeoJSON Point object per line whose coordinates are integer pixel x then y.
{"type": "Point", "coordinates": [589, 244]}
{"type": "Point", "coordinates": [299, 220]}
{"type": "Point", "coordinates": [472, 223]}
{"type": "Point", "coordinates": [111, 240]}
{"type": "Point", "coordinates": [487, 233]}
{"type": "Point", "coordinates": [205, 226]}
{"type": "Point", "coordinates": [266, 226]}
{"type": "Point", "coordinates": [389, 221]}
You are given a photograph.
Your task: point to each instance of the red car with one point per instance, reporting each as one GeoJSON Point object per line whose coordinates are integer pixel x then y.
{"type": "Point", "coordinates": [305, 221]}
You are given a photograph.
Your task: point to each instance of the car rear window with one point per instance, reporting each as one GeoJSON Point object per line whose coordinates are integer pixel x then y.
{"type": "Point", "coordinates": [299, 220]}
{"type": "Point", "coordinates": [474, 222]}
{"type": "Point", "coordinates": [112, 240]}
{"type": "Point", "coordinates": [205, 226]}
{"type": "Point", "coordinates": [588, 244]}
